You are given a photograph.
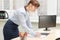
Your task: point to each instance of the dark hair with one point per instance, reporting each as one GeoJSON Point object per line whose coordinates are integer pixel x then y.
{"type": "Point", "coordinates": [34, 3]}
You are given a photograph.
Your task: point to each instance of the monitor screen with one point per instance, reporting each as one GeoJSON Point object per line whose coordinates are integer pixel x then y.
{"type": "Point", "coordinates": [47, 21]}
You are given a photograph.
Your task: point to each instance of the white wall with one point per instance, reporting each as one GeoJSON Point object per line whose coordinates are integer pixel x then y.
{"type": "Point", "coordinates": [58, 17]}
{"type": "Point", "coordinates": [58, 7]}
{"type": "Point", "coordinates": [51, 7]}
{"type": "Point", "coordinates": [43, 7]}
{"type": "Point", "coordinates": [11, 4]}
{"type": "Point", "coordinates": [1, 4]}
{"type": "Point", "coordinates": [6, 4]}
{"type": "Point", "coordinates": [18, 4]}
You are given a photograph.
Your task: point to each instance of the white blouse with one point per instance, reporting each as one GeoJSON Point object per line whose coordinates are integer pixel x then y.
{"type": "Point", "coordinates": [21, 17]}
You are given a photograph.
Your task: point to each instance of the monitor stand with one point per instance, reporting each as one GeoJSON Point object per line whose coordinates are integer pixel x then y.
{"type": "Point", "coordinates": [46, 29]}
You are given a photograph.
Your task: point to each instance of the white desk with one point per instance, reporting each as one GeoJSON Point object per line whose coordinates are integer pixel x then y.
{"type": "Point", "coordinates": [53, 34]}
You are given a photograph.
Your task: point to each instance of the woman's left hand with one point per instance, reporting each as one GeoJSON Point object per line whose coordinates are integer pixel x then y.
{"type": "Point", "coordinates": [37, 34]}
{"type": "Point", "coordinates": [17, 38]}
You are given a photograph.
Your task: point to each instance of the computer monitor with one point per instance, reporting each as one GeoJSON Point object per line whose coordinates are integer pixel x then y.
{"type": "Point", "coordinates": [46, 21]}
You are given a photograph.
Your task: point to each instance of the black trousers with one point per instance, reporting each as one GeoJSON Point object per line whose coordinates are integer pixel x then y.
{"type": "Point", "coordinates": [10, 30]}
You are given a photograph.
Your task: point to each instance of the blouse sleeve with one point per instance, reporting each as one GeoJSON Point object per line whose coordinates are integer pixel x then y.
{"type": "Point", "coordinates": [29, 23]}
{"type": "Point", "coordinates": [23, 24]}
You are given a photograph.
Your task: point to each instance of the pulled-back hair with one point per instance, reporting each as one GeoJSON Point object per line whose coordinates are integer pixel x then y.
{"type": "Point", "coordinates": [34, 3]}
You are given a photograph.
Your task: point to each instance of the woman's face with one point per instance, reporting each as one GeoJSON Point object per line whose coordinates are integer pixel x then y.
{"type": "Point", "coordinates": [32, 8]}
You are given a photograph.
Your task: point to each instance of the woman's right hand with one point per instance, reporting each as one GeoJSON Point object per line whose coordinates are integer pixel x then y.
{"type": "Point", "coordinates": [37, 34]}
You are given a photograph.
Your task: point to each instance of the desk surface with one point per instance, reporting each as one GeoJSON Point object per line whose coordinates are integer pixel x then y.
{"type": "Point", "coordinates": [53, 34]}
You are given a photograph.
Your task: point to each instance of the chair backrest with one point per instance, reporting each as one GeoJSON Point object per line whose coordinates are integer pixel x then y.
{"type": "Point", "coordinates": [58, 39]}
{"type": "Point", "coordinates": [3, 15]}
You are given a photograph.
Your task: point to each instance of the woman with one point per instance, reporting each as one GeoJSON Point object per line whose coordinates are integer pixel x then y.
{"type": "Point", "coordinates": [20, 16]}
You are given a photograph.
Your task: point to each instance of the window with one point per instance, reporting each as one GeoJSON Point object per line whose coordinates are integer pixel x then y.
{"type": "Point", "coordinates": [6, 4]}
{"type": "Point", "coordinates": [58, 7]}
